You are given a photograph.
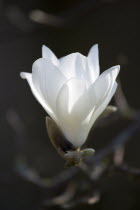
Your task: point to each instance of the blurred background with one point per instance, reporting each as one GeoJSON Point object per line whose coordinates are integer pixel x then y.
{"type": "Point", "coordinates": [65, 26]}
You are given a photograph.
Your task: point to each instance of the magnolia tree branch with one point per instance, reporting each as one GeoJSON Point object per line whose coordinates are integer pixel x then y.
{"type": "Point", "coordinates": [118, 141]}
{"type": "Point", "coordinates": [122, 104]}
{"type": "Point", "coordinates": [69, 16]}
{"type": "Point", "coordinates": [128, 170]}
{"type": "Point", "coordinates": [64, 19]}
{"type": "Point", "coordinates": [94, 163]}
{"type": "Point", "coordinates": [64, 189]}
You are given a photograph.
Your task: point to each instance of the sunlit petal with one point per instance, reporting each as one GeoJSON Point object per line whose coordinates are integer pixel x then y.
{"type": "Point", "coordinates": [49, 55]}
{"type": "Point", "coordinates": [93, 57]}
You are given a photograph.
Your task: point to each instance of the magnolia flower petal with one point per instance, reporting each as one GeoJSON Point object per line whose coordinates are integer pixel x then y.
{"type": "Point", "coordinates": [48, 80]}
{"type": "Point", "coordinates": [93, 57]}
{"type": "Point", "coordinates": [69, 94]}
{"type": "Point", "coordinates": [102, 86]}
{"type": "Point", "coordinates": [77, 65]}
{"type": "Point", "coordinates": [92, 103]}
{"type": "Point", "coordinates": [102, 107]}
{"type": "Point", "coordinates": [102, 91]}
{"type": "Point", "coordinates": [83, 106]}
{"type": "Point", "coordinates": [49, 55]}
{"type": "Point", "coordinates": [37, 95]}
{"type": "Point", "coordinates": [70, 122]}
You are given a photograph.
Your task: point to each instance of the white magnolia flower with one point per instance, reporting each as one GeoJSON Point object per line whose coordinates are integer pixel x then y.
{"type": "Point", "coordinates": [71, 90]}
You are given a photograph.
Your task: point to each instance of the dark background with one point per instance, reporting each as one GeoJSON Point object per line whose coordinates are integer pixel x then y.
{"type": "Point", "coordinates": [115, 25]}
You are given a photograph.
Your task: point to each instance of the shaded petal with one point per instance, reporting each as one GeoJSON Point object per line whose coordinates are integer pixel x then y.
{"type": "Point", "coordinates": [102, 91]}
{"type": "Point", "coordinates": [49, 55]}
{"type": "Point", "coordinates": [93, 57]}
{"type": "Point", "coordinates": [70, 117]}
{"type": "Point", "coordinates": [76, 65]}
{"type": "Point", "coordinates": [102, 86]}
{"type": "Point", "coordinates": [102, 107]}
{"type": "Point", "coordinates": [48, 80]}
{"type": "Point", "coordinates": [37, 95]}
{"type": "Point", "coordinates": [92, 103]}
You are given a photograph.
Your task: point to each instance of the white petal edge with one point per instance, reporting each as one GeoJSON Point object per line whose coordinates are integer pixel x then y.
{"type": "Point", "coordinates": [48, 80]}
{"type": "Point", "coordinates": [101, 87]}
{"type": "Point", "coordinates": [102, 91]}
{"type": "Point", "coordinates": [28, 77]}
{"type": "Point", "coordinates": [98, 105]}
{"type": "Point", "coordinates": [49, 55]}
{"type": "Point", "coordinates": [102, 107]}
{"type": "Point", "coordinates": [93, 57]}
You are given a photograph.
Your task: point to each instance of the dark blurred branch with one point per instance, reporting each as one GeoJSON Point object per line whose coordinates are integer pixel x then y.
{"type": "Point", "coordinates": [48, 183]}
{"type": "Point", "coordinates": [129, 170]}
{"type": "Point", "coordinates": [64, 189]}
{"type": "Point", "coordinates": [70, 16]}
{"type": "Point", "coordinates": [66, 18]}
{"type": "Point", "coordinates": [122, 104]}
{"type": "Point", "coordinates": [91, 198]}
{"type": "Point", "coordinates": [63, 197]}
{"type": "Point", "coordinates": [18, 127]}
{"type": "Point", "coordinates": [118, 141]}
{"type": "Point", "coordinates": [19, 19]}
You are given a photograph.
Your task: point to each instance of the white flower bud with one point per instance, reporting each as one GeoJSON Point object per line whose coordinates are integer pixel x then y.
{"type": "Point", "coordinates": [71, 90]}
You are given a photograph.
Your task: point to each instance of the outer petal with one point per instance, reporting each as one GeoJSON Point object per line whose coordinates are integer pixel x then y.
{"type": "Point", "coordinates": [37, 95]}
{"type": "Point", "coordinates": [93, 57]}
{"type": "Point", "coordinates": [77, 65]}
{"type": "Point", "coordinates": [48, 80]}
{"type": "Point", "coordinates": [72, 121]}
{"type": "Point", "coordinates": [49, 55]}
{"type": "Point", "coordinates": [103, 90]}
{"type": "Point", "coordinates": [100, 89]}
{"type": "Point", "coordinates": [102, 107]}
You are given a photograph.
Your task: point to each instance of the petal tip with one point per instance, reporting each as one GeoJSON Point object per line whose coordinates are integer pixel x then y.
{"type": "Point", "coordinates": [22, 75]}
{"type": "Point", "coordinates": [38, 62]}
{"type": "Point", "coordinates": [43, 46]}
{"type": "Point", "coordinates": [117, 68]}
{"type": "Point", "coordinates": [96, 45]}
